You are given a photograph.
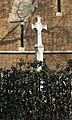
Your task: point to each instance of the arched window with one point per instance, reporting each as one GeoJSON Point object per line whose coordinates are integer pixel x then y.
{"type": "Point", "coordinates": [59, 5]}
{"type": "Point", "coordinates": [21, 47]}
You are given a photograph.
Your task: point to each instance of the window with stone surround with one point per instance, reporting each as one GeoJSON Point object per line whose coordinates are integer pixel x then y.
{"type": "Point", "coordinates": [59, 5]}
{"type": "Point", "coordinates": [21, 48]}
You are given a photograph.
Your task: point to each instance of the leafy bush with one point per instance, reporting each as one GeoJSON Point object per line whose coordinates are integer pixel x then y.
{"type": "Point", "coordinates": [26, 94]}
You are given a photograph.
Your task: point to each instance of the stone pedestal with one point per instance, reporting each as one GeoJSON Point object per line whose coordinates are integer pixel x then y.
{"type": "Point", "coordinates": [39, 52]}
{"type": "Point", "coordinates": [39, 55]}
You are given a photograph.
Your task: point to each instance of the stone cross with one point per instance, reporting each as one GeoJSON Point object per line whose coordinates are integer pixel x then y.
{"type": "Point", "coordinates": [39, 46]}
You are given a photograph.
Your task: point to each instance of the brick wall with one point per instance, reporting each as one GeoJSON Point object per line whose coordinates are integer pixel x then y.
{"type": "Point", "coordinates": [57, 37]}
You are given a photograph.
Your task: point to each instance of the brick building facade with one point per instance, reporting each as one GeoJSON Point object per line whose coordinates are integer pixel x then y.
{"type": "Point", "coordinates": [57, 14]}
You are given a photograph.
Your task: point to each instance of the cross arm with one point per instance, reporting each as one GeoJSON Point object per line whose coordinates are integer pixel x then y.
{"type": "Point", "coordinates": [44, 27]}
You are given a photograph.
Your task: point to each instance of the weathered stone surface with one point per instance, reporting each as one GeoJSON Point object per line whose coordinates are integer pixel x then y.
{"type": "Point", "coordinates": [22, 9]}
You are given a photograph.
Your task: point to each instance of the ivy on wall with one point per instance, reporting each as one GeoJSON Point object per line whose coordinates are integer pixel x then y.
{"type": "Point", "coordinates": [26, 94]}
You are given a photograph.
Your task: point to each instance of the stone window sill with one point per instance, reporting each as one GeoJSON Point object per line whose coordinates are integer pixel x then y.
{"type": "Point", "coordinates": [21, 49]}
{"type": "Point", "coordinates": [58, 14]}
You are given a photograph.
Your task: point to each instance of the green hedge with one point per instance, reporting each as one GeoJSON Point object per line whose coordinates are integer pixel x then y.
{"type": "Point", "coordinates": [26, 94]}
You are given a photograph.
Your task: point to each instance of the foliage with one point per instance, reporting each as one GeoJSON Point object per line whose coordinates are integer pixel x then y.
{"type": "Point", "coordinates": [70, 63]}
{"type": "Point", "coordinates": [26, 94]}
